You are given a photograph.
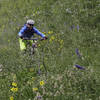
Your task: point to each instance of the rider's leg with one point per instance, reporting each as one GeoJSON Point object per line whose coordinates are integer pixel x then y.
{"type": "Point", "coordinates": [23, 45]}
{"type": "Point", "coordinates": [32, 45]}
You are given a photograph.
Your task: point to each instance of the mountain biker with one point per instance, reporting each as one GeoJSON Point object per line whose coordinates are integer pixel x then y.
{"type": "Point", "coordinates": [27, 31]}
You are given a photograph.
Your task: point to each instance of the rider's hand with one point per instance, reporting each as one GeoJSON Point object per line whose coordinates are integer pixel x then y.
{"type": "Point", "coordinates": [24, 39]}
{"type": "Point", "coordinates": [45, 38]}
{"type": "Point", "coordinates": [21, 37]}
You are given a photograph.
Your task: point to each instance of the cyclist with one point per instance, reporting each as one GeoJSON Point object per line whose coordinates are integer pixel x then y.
{"type": "Point", "coordinates": [27, 31]}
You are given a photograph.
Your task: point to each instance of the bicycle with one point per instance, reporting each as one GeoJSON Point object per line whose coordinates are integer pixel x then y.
{"type": "Point", "coordinates": [32, 50]}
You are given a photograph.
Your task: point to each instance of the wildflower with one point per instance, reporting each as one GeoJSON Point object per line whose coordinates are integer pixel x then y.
{"type": "Point", "coordinates": [50, 32]}
{"type": "Point", "coordinates": [52, 38]}
{"type": "Point", "coordinates": [36, 12]}
{"type": "Point", "coordinates": [33, 78]}
{"type": "Point", "coordinates": [39, 45]}
{"type": "Point", "coordinates": [35, 89]}
{"type": "Point", "coordinates": [39, 97]}
{"type": "Point", "coordinates": [44, 32]}
{"type": "Point", "coordinates": [68, 11]}
{"type": "Point", "coordinates": [61, 41]}
{"type": "Point", "coordinates": [0, 67]}
{"type": "Point", "coordinates": [31, 69]}
{"type": "Point", "coordinates": [79, 67]}
{"type": "Point", "coordinates": [39, 72]}
{"type": "Point", "coordinates": [72, 27]}
{"type": "Point", "coordinates": [77, 52]}
{"type": "Point", "coordinates": [8, 40]}
{"type": "Point", "coordinates": [41, 83]}
{"type": "Point", "coordinates": [14, 76]}
{"type": "Point", "coordinates": [14, 84]}
{"type": "Point", "coordinates": [11, 98]}
{"type": "Point", "coordinates": [14, 89]}
{"type": "Point", "coordinates": [29, 82]}
{"type": "Point", "coordinates": [33, 14]}
{"type": "Point", "coordinates": [58, 49]}
{"type": "Point", "coordinates": [37, 8]}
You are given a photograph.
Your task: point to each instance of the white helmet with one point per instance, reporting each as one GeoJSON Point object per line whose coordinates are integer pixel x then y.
{"type": "Point", "coordinates": [30, 21]}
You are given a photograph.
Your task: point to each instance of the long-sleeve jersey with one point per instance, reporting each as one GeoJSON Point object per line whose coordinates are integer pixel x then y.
{"type": "Point", "coordinates": [28, 33]}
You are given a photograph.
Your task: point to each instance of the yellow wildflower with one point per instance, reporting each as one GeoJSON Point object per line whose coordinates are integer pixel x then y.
{"type": "Point", "coordinates": [44, 32]}
{"type": "Point", "coordinates": [50, 32]}
{"type": "Point", "coordinates": [41, 83]}
{"type": "Point", "coordinates": [29, 82]}
{"type": "Point", "coordinates": [36, 12]}
{"type": "Point", "coordinates": [31, 69]}
{"type": "Point", "coordinates": [52, 38]}
{"type": "Point", "coordinates": [33, 78]}
{"type": "Point", "coordinates": [58, 49]}
{"type": "Point", "coordinates": [61, 41]}
{"type": "Point", "coordinates": [33, 14]}
{"type": "Point", "coordinates": [14, 84]}
{"type": "Point", "coordinates": [14, 89]}
{"type": "Point", "coordinates": [8, 40]}
{"type": "Point", "coordinates": [11, 98]}
{"type": "Point", "coordinates": [39, 45]}
{"type": "Point", "coordinates": [35, 89]}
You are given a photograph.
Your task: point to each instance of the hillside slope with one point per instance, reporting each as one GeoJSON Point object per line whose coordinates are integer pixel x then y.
{"type": "Point", "coordinates": [73, 29]}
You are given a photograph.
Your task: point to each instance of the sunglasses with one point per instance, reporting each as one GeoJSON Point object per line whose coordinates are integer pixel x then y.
{"type": "Point", "coordinates": [31, 24]}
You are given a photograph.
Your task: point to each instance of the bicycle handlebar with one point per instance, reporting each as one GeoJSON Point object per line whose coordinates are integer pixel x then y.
{"type": "Point", "coordinates": [33, 39]}
{"type": "Point", "coordinates": [30, 39]}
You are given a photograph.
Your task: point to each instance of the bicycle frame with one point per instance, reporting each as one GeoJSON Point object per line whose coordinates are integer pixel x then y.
{"type": "Point", "coordinates": [34, 45]}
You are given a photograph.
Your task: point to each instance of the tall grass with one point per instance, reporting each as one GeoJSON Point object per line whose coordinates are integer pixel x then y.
{"type": "Point", "coordinates": [70, 26]}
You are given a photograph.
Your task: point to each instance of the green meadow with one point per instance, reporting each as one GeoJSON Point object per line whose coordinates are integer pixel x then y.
{"type": "Point", "coordinates": [68, 61]}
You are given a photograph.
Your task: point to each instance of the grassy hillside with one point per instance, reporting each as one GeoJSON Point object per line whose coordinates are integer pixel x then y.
{"type": "Point", "coordinates": [73, 29]}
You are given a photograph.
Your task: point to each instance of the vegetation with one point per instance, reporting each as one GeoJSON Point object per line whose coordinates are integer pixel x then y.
{"type": "Point", "coordinates": [73, 29]}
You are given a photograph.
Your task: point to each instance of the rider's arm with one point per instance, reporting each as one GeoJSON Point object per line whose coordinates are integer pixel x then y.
{"type": "Point", "coordinates": [21, 32]}
{"type": "Point", "coordinates": [38, 32]}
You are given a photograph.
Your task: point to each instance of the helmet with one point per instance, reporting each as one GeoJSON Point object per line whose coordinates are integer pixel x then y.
{"type": "Point", "coordinates": [30, 21]}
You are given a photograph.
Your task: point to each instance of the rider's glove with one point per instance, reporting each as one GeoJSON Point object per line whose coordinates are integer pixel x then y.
{"type": "Point", "coordinates": [21, 37]}
{"type": "Point", "coordinates": [45, 38]}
